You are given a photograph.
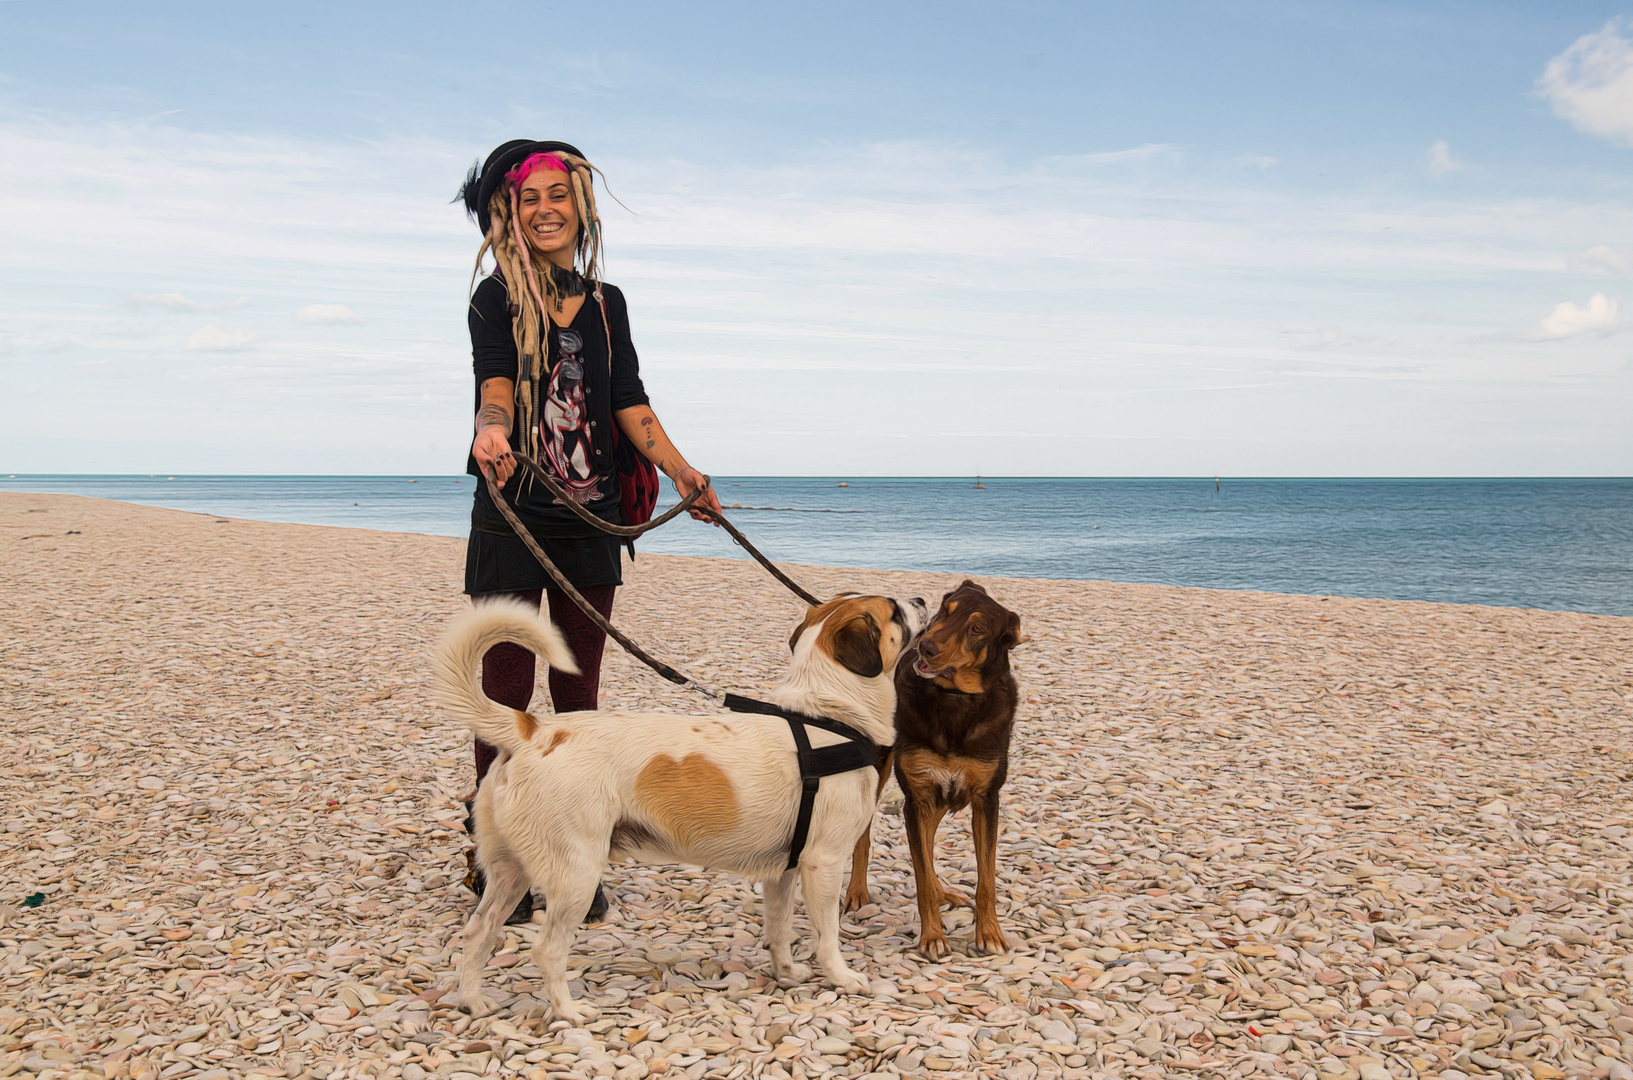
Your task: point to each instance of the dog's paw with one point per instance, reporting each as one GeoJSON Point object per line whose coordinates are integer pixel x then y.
{"type": "Point", "coordinates": [989, 941]}
{"type": "Point", "coordinates": [574, 1012]}
{"type": "Point", "coordinates": [796, 975]}
{"type": "Point", "coordinates": [934, 946]}
{"type": "Point", "coordinates": [856, 898]}
{"type": "Point", "coordinates": [477, 1003]}
{"type": "Point", "coordinates": [849, 982]}
{"type": "Point", "coordinates": [951, 897]}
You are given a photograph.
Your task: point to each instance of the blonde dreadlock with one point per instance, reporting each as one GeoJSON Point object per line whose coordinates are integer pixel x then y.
{"type": "Point", "coordinates": [533, 289]}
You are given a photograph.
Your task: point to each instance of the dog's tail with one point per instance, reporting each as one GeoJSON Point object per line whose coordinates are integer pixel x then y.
{"type": "Point", "coordinates": [456, 683]}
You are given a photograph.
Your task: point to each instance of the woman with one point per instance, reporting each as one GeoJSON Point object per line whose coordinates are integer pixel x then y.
{"type": "Point", "coordinates": [557, 376]}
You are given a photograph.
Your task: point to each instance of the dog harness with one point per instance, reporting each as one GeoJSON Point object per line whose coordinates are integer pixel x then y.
{"type": "Point", "coordinates": [856, 752]}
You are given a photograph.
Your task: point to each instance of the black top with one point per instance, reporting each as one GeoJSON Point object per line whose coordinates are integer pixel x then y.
{"type": "Point", "coordinates": [573, 407]}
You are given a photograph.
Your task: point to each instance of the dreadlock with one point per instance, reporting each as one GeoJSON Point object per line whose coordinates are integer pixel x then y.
{"type": "Point", "coordinates": [535, 290]}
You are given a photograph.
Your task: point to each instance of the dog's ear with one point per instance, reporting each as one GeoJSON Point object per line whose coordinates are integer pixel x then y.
{"type": "Point", "coordinates": [1011, 636]}
{"type": "Point", "coordinates": [968, 584]}
{"type": "Point", "coordinates": [856, 646]}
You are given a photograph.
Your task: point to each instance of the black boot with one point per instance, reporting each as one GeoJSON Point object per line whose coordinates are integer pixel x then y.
{"type": "Point", "coordinates": [522, 913]}
{"type": "Point", "coordinates": [477, 882]}
{"type": "Point", "coordinates": [598, 906]}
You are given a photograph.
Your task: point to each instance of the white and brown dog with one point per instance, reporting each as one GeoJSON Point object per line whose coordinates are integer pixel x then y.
{"type": "Point", "coordinates": [571, 792]}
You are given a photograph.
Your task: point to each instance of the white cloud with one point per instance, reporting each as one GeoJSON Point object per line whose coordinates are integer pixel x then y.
{"type": "Point", "coordinates": [174, 301]}
{"type": "Point", "coordinates": [1106, 268]}
{"type": "Point", "coordinates": [1441, 161]}
{"type": "Point", "coordinates": [170, 301]}
{"type": "Point", "coordinates": [1590, 84]}
{"type": "Point", "coordinates": [1330, 338]}
{"type": "Point", "coordinates": [1601, 260]}
{"type": "Point", "coordinates": [326, 315]}
{"type": "Point", "coordinates": [1568, 320]}
{"type": "Point", "coordinates": [214, 338]}
{"type": "Point", "coordinates": [1143, 152]}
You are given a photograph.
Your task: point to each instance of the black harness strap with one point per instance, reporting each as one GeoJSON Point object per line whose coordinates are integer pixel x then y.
{"type": "Point", "coordinates": [856, 752]}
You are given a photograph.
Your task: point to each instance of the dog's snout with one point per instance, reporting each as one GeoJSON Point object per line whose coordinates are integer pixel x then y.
{"type": "Point", "coordinates": [914, 615]}
{"type": "Point", "coordinates": [928, 649]}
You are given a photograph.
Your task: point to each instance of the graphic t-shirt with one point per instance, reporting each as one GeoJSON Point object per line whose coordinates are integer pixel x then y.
{"type": "Point", "coordinates": [565, 444]}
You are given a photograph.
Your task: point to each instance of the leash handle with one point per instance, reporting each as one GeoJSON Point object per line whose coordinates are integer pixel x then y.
{"type": "Point", "coordinates": [684, 505]}
{"type": "Point", "coordinates": [627, 531]}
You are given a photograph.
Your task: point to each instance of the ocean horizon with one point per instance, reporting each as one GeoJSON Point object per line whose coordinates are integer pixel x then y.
{"type": "Point", "coordinates": [1562, 543]}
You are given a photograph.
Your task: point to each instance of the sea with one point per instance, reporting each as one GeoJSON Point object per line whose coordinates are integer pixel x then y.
{"type": "Point", "coordinates": [1558, 544]}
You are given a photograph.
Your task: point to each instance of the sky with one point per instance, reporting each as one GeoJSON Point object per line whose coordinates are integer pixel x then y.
{"type": "Point", "coordinates": [1082, 239]}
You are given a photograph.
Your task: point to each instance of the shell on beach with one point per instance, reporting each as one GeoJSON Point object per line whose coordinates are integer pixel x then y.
{"type": "Point", "coordinates": [1314, 837]}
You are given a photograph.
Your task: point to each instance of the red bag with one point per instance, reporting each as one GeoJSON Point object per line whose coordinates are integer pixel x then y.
{"type": "Point", "coordinates": [637, 483]}
{"type": "Point", "coordinates": [637, 477]}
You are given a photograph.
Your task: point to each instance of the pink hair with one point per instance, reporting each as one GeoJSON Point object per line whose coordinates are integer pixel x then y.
{"type": "Point", "coordinates": [518, 176]}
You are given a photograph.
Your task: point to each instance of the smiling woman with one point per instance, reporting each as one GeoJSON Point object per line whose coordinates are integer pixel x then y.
{"type": "Point", "coordinates": [557, 372]}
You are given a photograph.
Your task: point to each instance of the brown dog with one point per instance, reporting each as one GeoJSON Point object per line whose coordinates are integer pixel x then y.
{"type": "Point", "coordinates": [955, 709]}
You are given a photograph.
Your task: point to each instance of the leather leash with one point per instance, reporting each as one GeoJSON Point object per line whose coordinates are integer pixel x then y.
{"type": "Point", "coordinates": [577, 597]}
{"type": "Point", "coordinates": [815, 762]}
{"type": "Point", "coordinates": [610, 529]}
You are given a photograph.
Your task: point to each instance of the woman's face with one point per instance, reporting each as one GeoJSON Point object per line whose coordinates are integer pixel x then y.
{"type": "Point", "coordinates": [548, 216]}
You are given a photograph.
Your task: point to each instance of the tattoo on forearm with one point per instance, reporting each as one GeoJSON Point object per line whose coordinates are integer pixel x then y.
{"type": "Point", "coordinates": [651, 440]}
{"type": "Point", "coordinates": [493, 415]}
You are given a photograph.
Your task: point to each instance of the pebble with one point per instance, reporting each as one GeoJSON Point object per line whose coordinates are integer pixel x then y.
{"type": "Point", "coordinates": [1327, 838]}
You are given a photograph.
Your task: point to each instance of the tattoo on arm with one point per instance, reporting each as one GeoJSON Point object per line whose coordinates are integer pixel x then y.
{"type": "Point", "coordinates": [493, 415]}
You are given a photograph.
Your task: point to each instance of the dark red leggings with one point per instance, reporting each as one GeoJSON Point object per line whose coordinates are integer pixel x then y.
{"type": "Point", "coordinates": [508, 668]}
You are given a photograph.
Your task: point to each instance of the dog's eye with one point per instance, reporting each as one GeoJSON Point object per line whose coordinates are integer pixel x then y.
{"type": "Point", "coordinates": [976, 631]}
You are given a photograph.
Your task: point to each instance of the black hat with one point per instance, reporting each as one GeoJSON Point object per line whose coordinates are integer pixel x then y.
{"type": "Point", "coordinates": [483, 180]}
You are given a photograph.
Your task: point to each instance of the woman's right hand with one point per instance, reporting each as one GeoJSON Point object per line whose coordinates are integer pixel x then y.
{"type": "Point", "coordinates": [492, 452]}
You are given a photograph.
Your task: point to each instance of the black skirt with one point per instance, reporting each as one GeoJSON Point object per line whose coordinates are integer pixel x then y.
{"type": "Point", "coordinates": [500, 562]}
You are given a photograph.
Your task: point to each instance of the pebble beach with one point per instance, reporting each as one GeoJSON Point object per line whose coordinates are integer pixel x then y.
{"type": "Point", "coordinates": [1324, 838]}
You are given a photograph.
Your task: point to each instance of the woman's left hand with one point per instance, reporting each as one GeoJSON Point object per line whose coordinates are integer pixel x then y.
{"type": "Point", "coordinates": [688, 480]}
{"type": "Point", "coordinates": [640, 425]}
